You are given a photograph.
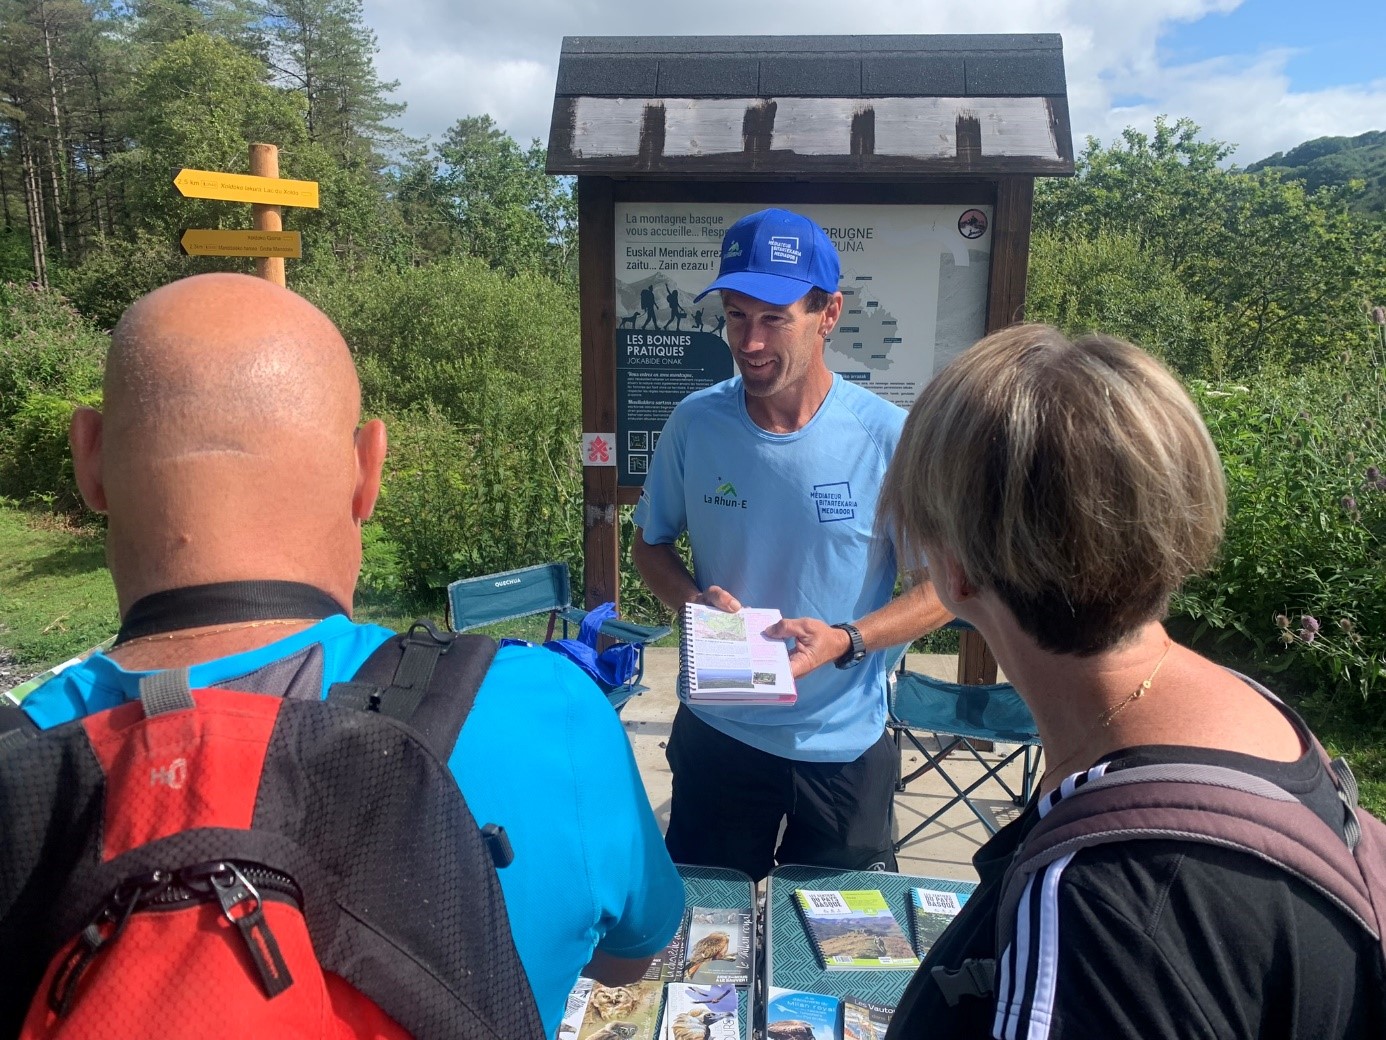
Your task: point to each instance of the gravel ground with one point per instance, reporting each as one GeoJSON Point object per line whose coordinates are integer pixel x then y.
{"type": "Point", "coordinates": [11, 673]}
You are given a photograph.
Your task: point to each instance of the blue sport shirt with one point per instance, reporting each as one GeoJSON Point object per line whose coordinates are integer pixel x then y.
{"type": "Point", "coordinates": [786, 521]}
{"type": "Point", "coordinates": [542, 754]}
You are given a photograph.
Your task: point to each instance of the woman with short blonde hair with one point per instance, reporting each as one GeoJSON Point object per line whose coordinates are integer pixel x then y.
{"type": "Point", "coordinates": [1058, 492]}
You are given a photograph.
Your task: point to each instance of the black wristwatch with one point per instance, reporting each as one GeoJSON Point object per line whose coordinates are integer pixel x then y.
{"type": "Point", "coordinates": [856, 648]}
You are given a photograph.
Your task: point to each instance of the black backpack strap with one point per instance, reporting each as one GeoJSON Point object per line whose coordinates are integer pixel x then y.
{"type": "Point", "coordinates": [424, 677]}
{"type": "Point", "coordinates": [1215, 805]}
{"type": "Point", "coordinates": [15, 726]}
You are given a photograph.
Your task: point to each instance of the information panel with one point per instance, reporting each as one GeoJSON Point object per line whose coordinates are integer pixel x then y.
{"type": "Point", "coordinates": [914, 282]}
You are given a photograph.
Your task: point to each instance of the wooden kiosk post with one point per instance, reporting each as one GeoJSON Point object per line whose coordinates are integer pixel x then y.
{"type": "Point", "coordinates": [918, 154]}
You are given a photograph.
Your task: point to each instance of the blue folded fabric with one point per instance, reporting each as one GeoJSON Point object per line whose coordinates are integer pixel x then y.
{"type": "Point", "coordinates": [611, 668]}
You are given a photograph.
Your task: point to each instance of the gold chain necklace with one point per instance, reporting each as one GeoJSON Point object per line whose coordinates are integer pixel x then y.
{"type": "Point", "coordinates": [1109, 714]}
{"type": "Point", "coordinates": [233, 626]}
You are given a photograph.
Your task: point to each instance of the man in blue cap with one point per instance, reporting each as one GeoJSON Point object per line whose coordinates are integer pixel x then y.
{"type": "Point", "coordinates": [806, 452]}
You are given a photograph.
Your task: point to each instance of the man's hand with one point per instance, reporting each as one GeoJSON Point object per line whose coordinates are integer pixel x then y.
{"type": "Point", "coordinates": [718, 598]}
{"type": "Point", "coordinates": [816, 643]}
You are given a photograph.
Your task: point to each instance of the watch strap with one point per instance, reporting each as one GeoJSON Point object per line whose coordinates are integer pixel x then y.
{"type": "Point", "coordinates": [856, 646]}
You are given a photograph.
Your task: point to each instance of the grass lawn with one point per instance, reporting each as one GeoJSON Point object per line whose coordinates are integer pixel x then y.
{"type": "Point", "coordinates": [58, 598]}
{"type": "Point", "coordinates": [59, 601]}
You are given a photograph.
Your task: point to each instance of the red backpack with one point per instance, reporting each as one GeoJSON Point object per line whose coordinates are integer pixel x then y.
{"type": "Point", "coordinates": [215, 863]}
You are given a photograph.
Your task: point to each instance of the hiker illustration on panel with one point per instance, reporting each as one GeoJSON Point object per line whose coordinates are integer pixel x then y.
{"type": "Point", "coordinates": [676, 313]}
{"type": "Point", "coordinates": [647, 304]}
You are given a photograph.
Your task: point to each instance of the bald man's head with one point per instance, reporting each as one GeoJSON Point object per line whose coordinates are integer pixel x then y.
{"type": "Point", "coordinates": [227, 362]}
{"type": "Point", "coordinates": [228, 445]}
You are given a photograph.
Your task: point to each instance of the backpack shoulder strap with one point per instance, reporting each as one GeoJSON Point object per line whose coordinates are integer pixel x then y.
{"type": "Point", "coordinates": [1211, 804]}
{"type": "Point", "coordinates": [15, 726]}
{"type": "Point", "coordinates": [424, 677]}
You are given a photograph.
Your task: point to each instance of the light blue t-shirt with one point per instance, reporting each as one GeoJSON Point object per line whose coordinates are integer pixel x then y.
{"type": "Point", "coordinates": [542, 754]}
{"type": "Point", "coordinates": [786, 521]}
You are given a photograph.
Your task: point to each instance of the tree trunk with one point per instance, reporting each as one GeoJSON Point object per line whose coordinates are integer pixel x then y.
{"type": "Point", "coordinates": [5, 196]}
{"type": "Point", "coordinates": [57, 156]}
{"type": "Point", "coordinates": [33, 205]}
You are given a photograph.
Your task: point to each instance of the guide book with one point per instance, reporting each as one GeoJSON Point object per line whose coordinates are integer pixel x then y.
{"type": "Point", "coordinates": [728, 660]}
{"type": "Point", "coordinates": [793, 1014]}
{"type": "Point", "coordinates": [719, 947]}
{"type": "Point", "coordinates": [854, 931]}
{"type": "Point", "coordinates": [933, 911]}
{"type": "Point", "coordinates": [700, 1012]}
{"type": "Point", "coordinates": [864, 1020]}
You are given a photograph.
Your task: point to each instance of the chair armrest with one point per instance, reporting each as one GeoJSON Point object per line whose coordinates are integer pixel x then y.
{"type": "Point", "coordinates": [627, 631]}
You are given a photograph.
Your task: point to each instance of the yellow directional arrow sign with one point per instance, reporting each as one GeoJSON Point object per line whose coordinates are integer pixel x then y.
{"type": "Point", "coordinates": [240, 187]}
{"type": "Point", "coordinates": [197, 242]}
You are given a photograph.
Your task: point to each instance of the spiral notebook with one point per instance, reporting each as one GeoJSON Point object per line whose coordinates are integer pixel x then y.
{"type": "Point", "coordinates": [727, 660]}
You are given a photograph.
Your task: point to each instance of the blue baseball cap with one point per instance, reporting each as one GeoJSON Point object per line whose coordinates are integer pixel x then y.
{"type": "Point", "coordinates": [776, 256]}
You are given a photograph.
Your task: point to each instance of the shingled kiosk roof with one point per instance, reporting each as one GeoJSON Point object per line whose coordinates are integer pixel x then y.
{"type": "Point", "coordinates": [737, 106]}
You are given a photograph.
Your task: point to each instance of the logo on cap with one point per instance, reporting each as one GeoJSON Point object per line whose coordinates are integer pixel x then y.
{"type": "Point", "coordinates": [784, 249]}
{"type": "Point", "coordinates": [732, 251]}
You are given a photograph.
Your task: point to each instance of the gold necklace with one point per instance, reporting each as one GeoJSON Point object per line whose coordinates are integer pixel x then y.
{"type": "Point", "coordinates": [233, 626]}
{"type": "Point", "coordinates": [1104, 719]}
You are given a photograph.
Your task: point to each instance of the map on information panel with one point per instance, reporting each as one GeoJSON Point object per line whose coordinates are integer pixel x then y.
{"type": "Point", "coordinates": [914, 286]}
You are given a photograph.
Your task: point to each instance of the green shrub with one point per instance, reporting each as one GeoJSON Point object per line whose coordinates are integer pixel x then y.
{"type": "Point", "coordinates": [458, 336]}
{"type": "Point", "coordinates": [503, 492]}
{"type": "Point", "coordinates": [1108, 282]}
{"type": "Point", "coordinates": [35, 462]}
{"type": "Point", "coordinates": [111, 278]}
{"type": "Point", "coordinates": [1306, 532]}
{"type": "Point", "coordinates": [45, 347]}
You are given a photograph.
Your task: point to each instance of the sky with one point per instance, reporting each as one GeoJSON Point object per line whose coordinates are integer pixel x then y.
{"type": "Point", "coordinates": [1263, 75]}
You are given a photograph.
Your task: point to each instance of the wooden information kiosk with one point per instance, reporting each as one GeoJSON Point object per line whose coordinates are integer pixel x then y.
{"type": "Point", "coordinates": [917, 154]}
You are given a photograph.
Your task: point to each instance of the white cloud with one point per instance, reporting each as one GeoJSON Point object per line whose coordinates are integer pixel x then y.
{"type": "Point", "coordinates": [455, 59]}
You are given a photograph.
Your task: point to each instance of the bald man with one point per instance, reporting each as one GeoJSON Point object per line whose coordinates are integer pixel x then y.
{"type": "Point", "coordinates": [235, 474]}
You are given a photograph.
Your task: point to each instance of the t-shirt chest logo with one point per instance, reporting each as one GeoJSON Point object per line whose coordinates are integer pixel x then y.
{"type": "Point", "coordinates": [724, 496]}
{"type": "Point", "coordinates": [834, 502]}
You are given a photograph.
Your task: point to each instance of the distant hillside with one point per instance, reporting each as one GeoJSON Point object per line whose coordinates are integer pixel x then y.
{"type": "Point", "coordinates": [1335, 161]}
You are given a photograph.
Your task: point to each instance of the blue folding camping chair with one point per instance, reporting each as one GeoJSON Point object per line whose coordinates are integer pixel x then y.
{"type": "Point", "coordinates": [961, 716]}
{"type": "Point", "coordinates": [545, 588]}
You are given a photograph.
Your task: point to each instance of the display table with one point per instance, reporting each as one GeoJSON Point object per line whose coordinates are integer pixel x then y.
{"type": "Point", "coordinates": [790, 962]}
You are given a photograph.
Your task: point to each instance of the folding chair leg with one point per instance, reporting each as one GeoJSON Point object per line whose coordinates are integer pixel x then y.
{"type": "Point", "coordinates": [990, 772]}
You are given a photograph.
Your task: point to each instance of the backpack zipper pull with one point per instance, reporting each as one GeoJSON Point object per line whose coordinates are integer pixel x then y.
{"type": "Point", "coordinates": [242, 906]}
{"type": "Point", "coordinates": [96, 936]}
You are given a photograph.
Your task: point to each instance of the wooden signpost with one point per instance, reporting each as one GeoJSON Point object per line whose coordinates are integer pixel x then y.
{"type": "Point", "coordinates": [263, 188]}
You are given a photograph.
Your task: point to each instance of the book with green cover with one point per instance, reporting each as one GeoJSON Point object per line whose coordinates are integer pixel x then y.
{"type": "Point", "coordinates": [933, 911]}
{"type": "Point", "coordinates": [854, 930]}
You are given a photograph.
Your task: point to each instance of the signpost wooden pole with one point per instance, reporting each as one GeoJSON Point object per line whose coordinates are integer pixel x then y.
{"type": "Point", "coordinates": [264, 162]}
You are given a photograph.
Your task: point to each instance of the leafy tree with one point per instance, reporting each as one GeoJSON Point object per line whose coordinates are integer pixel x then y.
{"type": "Point", "coordinates": [484, 192]}
{"type": "Point", "coordinates": [323, 51]}
{"type": "Point", "coordinates": [1107, 282]}
{"type": "Point", "coordinates": [1282, 271]}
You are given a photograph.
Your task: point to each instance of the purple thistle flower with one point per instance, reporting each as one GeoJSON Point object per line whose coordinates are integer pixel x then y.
{"type": "Point", "coordinates": [1373, 474]}
{"type": "Point", "coordinates": [1308, 623]}
{"type": "Point", "coordinates": [1306, 635]}
{"type": "Point", "coordinates": [1348, 503]}
{"type": "Point", "coordinates": [1345, 624]}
